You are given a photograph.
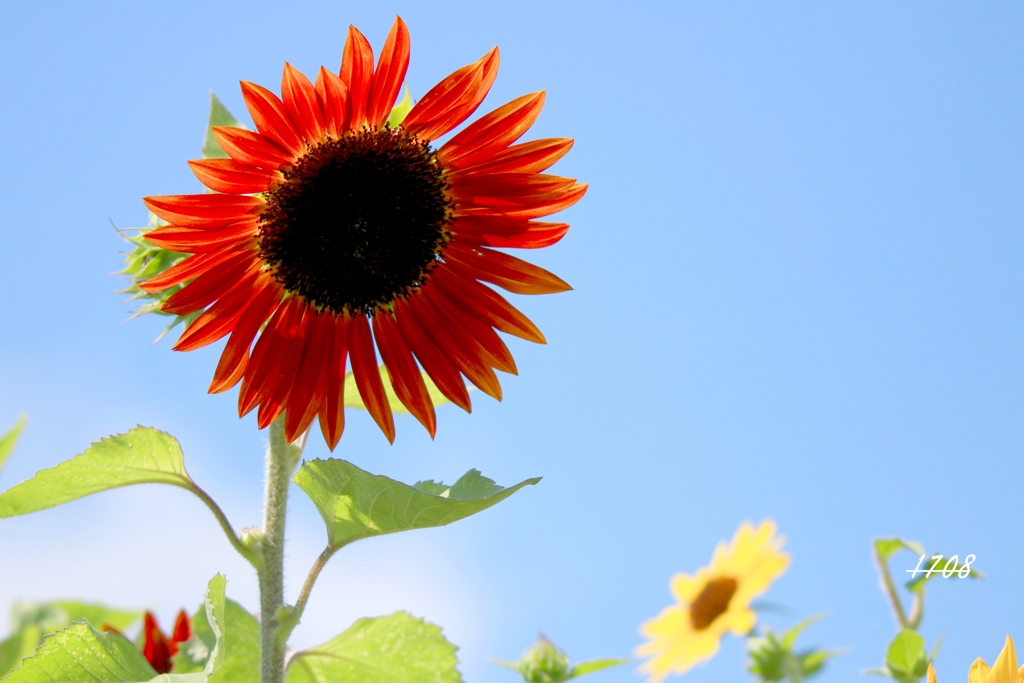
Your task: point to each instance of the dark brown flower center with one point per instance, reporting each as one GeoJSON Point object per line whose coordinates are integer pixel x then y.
{"type": "Point", "coordinates": [712, 602]}
{"type": "Point", "coordinates": [359, 222]}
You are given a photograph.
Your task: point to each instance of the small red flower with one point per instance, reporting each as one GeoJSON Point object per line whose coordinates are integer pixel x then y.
{"type": "Point", "coordinates": [333, 233]}
{"type": "Point", "coordinates": [158, 648]}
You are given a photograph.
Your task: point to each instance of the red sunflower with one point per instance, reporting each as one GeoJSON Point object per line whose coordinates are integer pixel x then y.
{"type": "Point", "coordinates": [333, 234]}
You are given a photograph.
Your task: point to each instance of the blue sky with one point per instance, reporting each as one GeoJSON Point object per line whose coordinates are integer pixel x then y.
{"type": "Point", "coordinates": [797, 295]}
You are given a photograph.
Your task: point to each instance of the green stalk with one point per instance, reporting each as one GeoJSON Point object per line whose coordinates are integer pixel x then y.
{"type": "Point", "coordinates": [281, 461]}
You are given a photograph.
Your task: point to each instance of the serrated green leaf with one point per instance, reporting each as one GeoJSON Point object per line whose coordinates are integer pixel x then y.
{"type": "Point", "coordinates": [219, 116]}
{"type": "Point", "coordinates": [242, 646]}
{"type": "Point", "coordinates": [394, 649]}
{"type": "Point", "coordinates": [10, 439]}
{"type": "Point", "coordinates": [354, 400]}
{"type": "Point", "coordinates": [400, 110]}
{"type": "Point", "coordinates": [19, 646]}
{"type": "Point", "coordinates": [584, 668]}
{"type": "Point", "coordinates": [356, 504]}
{"type": "Point", "coordinates": [905, 653]}
{"type": "Point", "coordinates": [885, 547]}
{"type": "Point", "coordinates": [142, 456]}
{"type": "Point", "coordinates": [81, 654]}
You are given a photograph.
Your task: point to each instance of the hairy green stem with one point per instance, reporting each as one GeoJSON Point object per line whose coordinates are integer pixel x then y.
{"type": "Point", "coordinates": [300, 605]}
{"type": "Point", "coordinates": [281, 460]}
{"type": "Point", "coordinates": [890, 590]}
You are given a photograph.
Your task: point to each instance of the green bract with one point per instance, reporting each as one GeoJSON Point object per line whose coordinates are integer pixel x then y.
{"type": "Point", "coordinates": [9, 440]}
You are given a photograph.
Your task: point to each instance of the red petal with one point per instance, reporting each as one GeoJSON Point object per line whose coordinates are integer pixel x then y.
{"type": "Point", "coordinates": [220, 318]}
{"type": "Point", "coordinates": [228, 175]}
{"type": "Point", "coordinates": [357, 73]}
{"type": "Point", "coordinates": [554, 205]}
{"type": "Point", "coordinates": [235, 357]}
{"type": "Point", "coordinates": [465, 353]}
{"type": "Point", "coordinates": [194, 266]}
{"type": "Point", "coordinates": [387, 79]}
{"type": "Point", "coordinates": [508, 272]}
{"type": "Point", "coordinates": [492, 133]}
{"type": "Point", "coordinates": [332, 410]}
{"type": "Point", "coordinates": [502, 231]}
{"type": "Point", "coordinates": [486, 305]}
{"type": "Point", "coordinates": [211, 285]}
{"type": "Point", "coordinates": [405, 374]}
{"type": "Point", "coordinates": [269, 354]}
{"type": "Point", "coordinates": [526, 157]}
{"type": "Point", "coordinates": [252, 148]}
{"type": "Point", "coordinates": [201, 240]}
{"type": "Point", "coordinates": [204, 210]}
{"type": "Point", "coordinates": [182, 630]}
{"type": "Point", "coordinates": [271, 117]}
{"type": "Point", "coordinates": [304, 401]}
{"type": "Point", "coordinates": [364, 367]}
{"type": "Point", "coordinates": [281, 381]}
{"type": "Point", "coordinates": [155, 650]}
{"type": "Point", "coordinates": [436, 363]}
{"type": "Point", "coordinates": [496, 353]}
{"type": "Point", "coordinates": [334, 96]}
{"type": "Point", "coordinates": [454, 99]}
{"type": "Point", "coordinates": [302, 103]}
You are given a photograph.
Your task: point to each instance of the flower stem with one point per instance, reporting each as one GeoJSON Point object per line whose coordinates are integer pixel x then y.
{"type": "Point", "coordinates": [281, 460]}
{"type": "Point", "coordinates": [890, 591]}
{"type": "Point", "coordinates": [300, 605]}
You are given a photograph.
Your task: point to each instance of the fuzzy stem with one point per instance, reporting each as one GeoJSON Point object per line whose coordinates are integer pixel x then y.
{"type": "Point", "coordinates": [890, 591]}
{"type": "Point", "coordinates": [300, 605]}
{"type": "Point", "coordinates": [281, 460]}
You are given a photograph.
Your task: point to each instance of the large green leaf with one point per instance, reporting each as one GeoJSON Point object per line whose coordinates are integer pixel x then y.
{"type": "Point", "coordinates": [356, 504]}
{"type": "Point", "coordinates": [142, 456]}
{"type": "Point", "coordinates": [242, 646]}
{"type": "Point", "coordinates": [81, 654]}
{"type": "Point", "coordinates": [9, 440]}
{"type": "Point", "coordinates": [394, 649]}
{"type": "Point", "coordinates": [219, 116]}
{"type": "Point", "coordinates": [354, 400]}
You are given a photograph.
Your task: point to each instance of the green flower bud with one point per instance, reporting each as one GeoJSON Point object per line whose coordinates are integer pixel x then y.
{"type": "Point", "coordinates": [544, 662]}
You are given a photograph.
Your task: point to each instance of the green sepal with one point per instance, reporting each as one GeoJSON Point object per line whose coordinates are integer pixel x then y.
{"type": "Point", "coordinates": [773, 657]}
{"type": "Point", "coordinates": [593, 665]}
{"type": "Point", "coordinates": [355, 504]}
{"type": "Point", "coordinates": [400, 110]}
{"type": "Point", "coordinates": [398, 648]}
{"type": "Point", "coordinates": [146, 261]}
{"type": "Point", "coordinates": [142, 456]}
{"type": "Point", "coordinates": [219, 116]}
{"type": "Point", "coordinates": [9, 440]}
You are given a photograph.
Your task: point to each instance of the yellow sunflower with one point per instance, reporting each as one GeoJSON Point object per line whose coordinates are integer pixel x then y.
{"type": "Point", "coordinates": [714, 600]}
{"type": "Point", "coordinates": [1003, 671]}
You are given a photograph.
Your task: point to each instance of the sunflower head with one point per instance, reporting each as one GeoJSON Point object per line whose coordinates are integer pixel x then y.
{"type": "Point", "coordinates": [340, 229]}
{"type": "Point", "coordinates": [714, 601]}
